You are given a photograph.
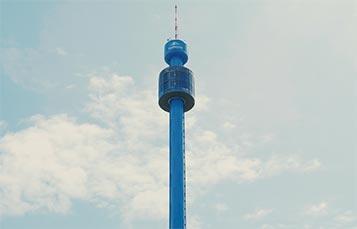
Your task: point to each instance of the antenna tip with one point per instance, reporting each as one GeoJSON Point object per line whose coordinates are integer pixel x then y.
{"type": "Point", "coordinates": [176, 22]}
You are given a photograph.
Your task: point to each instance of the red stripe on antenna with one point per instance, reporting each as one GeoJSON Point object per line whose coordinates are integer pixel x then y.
{"type": "Point", "coordinates": [176, 22]}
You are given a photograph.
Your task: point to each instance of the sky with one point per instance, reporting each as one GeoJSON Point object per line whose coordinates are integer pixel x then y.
{"type": "Point", "coordinates": [271, 142]}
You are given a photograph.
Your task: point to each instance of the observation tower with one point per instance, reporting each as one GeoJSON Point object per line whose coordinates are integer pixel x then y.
{"type": "Point", "coordinates": [176, 96]}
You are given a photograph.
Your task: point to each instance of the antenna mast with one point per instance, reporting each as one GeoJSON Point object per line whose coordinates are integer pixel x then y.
{"type": "Point", "coordinates": [175, 21]}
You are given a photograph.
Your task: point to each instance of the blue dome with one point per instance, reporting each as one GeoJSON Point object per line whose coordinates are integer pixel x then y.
{"type": "Point", "coordinates": [176, 52]}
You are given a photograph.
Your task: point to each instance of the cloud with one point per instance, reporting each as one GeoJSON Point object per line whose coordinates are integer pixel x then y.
{"type": "Point", "coordinates": [3, 126]}
{"type": "Point", "coordinates": [210, 161]}
{"type": "Point", "coordinates": [41, 68]}
{"type": "Point", "coordinates": [277, 164]}
{"type": "Point", "coordinates": [220, 208]}
{"type": "Point", "coordinates": [45, 166]}
{"type": "Point", "coordinates": [328, 218]}
{"type": "Point", "coordinates": [284, 226]}
{"type": "Point", "coordinates": [122, 163]}
{"type": "Point", "coordinates": [57, 160]}
{"type": "Point", "coordinates": [195, 222]}
{"type": "Point", "coordinates": [318, 209]}
{"type": "Point", "coordinates": [121, 159]}
{"type": "Point", "coordinates": [20, 66]}
{"type": "Point", "coordinates": [346, 217]}
{"type": "Point", "coordinates": [70, 86]}
{"type": "Point", "coordinates": [258, 214]}
{"type": "Point", "coordinates": [228, 125]}
{"type": "Point", "coordinates": [61, 52]}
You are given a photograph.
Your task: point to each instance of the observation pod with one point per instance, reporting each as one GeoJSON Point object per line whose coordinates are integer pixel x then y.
{"type": "Point", "coordinates": [176, 96]}
{"type": "Point", "coordinates": [176, 81]}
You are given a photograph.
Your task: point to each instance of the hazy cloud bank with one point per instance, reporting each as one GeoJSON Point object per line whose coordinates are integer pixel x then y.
{"type": "Point", "coordinates": [120, 163]}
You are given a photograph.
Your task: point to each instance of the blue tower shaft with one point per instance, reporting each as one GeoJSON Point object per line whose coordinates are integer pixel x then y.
{"type": "Point", "coordinates": [177, 165]}
{"type": "Point", "coordinates": [176, 95]}
{"type": "Point", "coordinates": [175, 61]}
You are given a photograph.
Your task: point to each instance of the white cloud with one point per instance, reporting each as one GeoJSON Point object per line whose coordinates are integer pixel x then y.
{"type": "Point", "coordinates": [3, 126]}
{"type": "Point", "coordinates": [46, 165]}
{"type": "Point", "coordinates": [195, 222]}
{"type": "Point", "coordinates": [61, 52]}
{"type": "Point", "coordinates": [19, 65]}
{"type": "Point", "coordinates": [122, 163]}
{"type": "Point", "coordinates": [317, 209]}
{"type": "Point", "coordinates": [210, 161]}
{"type": "Point", "coordinates": [61, 159]}
{"type": "Point", "coordinates": [220, 208]}
{"type": "Point", "coordinates": [258, 214]}
{"type": "Point", "coordinates": [228, 125]}
{"type": "Point", "coordinates": [70, 86]}
{"type": "Point", "coordinates": [346, 217]}
{"type": "Point", "coordinates": [268, 138]}
{"type": "Point", "coordinates": [277, 164]}
{"type": "Point", "coordinates": [41, 68]}
{"type": "Point", "coordinates": [285, 226]}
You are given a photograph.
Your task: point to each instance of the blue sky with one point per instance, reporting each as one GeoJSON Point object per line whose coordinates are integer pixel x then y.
{"type": "Point", "coordinates": [271, 141]}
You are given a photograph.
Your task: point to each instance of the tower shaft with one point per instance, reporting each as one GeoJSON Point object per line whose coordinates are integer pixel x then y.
{"type": "Point", "coordinates": [177, 165]}
{"type": "Point", "coordinates": [176, 96]}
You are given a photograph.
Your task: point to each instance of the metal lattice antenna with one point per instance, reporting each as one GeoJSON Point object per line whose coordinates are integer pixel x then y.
{"type": "Point", "coordinates": [176, 22]}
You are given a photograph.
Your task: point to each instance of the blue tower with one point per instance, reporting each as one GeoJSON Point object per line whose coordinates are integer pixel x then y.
{"type": "Point", "coordinates": [176, 96]}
